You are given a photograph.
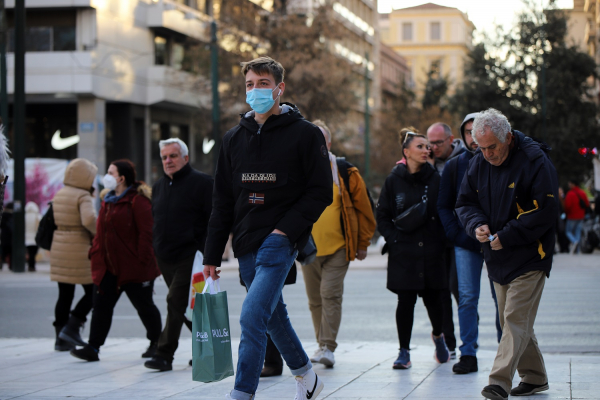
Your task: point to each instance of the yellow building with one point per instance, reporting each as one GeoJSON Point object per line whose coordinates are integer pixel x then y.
{"type": "Point", "coordinates": [583, 30]}
{"type": "Point", "coordinates": [430, 37]}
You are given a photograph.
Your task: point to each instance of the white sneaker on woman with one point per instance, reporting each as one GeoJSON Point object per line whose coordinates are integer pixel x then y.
{"type": "Point", "coordinates": [316, 358]}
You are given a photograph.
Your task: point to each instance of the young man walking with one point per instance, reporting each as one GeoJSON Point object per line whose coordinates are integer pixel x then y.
{"type": "Point", "coordinates": [272, 182]}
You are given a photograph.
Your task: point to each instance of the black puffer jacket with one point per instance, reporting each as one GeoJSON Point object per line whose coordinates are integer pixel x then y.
{"type": "Point", "coordinates": [416, 259]}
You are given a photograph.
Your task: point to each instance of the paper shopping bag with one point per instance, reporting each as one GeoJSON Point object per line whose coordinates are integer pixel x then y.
{"type": "Point", "coordinates": [211, 340]}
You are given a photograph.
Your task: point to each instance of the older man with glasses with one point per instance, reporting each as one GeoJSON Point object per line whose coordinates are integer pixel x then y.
{"type": "Point", "coordinates": [444, 148]}
{"type": "Point", "coordinates": [443, 144]}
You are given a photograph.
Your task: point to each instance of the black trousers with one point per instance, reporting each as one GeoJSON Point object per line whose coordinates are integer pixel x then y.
{"type": "Point", "coordinates": [31, 254]}
{"type": "Point", "coordinates": [105, 299]}
{"type": "Point", "coordinates": [177, 277]}
{"type": "Point", "coordinates": [448, 329]}
{"type": "Point", "coordinates": [66, 293]}
{"type": "Point", "coordinates": [272, 355]}
{"type": "Point", "coordinates": [405, 312]}
{"type": "Point", "coordinates": [7, 256]}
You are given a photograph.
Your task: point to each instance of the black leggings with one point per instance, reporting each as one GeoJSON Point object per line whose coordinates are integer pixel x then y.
{"type": "Point", "coordinates": [105, 300]}
{"type": "Point", "coordinates": [31, 254]}
{"type": "Point", "coordinates": [66, 293]}
{"type": "Point", "coordinates": [405, 312]}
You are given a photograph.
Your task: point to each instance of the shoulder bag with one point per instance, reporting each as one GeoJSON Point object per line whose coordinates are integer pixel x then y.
{"type": "Point", "coordinates": [414, 217]}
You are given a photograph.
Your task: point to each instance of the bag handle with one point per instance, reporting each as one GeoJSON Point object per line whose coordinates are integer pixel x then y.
{"type": "Point", "coordinates": [215, 287]}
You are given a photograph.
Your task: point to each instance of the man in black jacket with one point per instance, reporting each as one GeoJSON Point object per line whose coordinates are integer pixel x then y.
{"type": "Point", "coordinates": [181, 206]}
{"type": "Point", "coordinates": [273, 181]}
{"type": "Point", "coordinates": [508, 202]}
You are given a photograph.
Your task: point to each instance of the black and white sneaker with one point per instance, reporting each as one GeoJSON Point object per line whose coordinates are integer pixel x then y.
{"type": "Point", "coordinates": [308, 386]}
{"type": "Point", "coordinates": [527, 389]}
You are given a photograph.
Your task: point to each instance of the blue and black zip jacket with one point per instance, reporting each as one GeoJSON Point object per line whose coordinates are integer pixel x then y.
{"type": "Point", "coordinates": [450, 183]}
{"type": "Point", "coordinates": [518, 200]}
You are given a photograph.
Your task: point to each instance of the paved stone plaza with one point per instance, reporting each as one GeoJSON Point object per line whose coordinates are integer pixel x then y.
{"type": "Point", "coordinates": [567, 329]}
{"type": "Point", "coordinates": [29, 370]}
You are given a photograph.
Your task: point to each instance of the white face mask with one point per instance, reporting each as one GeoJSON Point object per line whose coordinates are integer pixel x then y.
{"type": "Point", "coordinates": [109, 182]}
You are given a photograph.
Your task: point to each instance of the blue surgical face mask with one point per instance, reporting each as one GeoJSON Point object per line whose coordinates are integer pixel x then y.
{"type": "Point", "coordinates": [261, 100]}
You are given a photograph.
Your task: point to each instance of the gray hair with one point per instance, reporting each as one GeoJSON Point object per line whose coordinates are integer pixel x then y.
{"type": "Point", "coordinates": [493, 120]}
{"type": "Point", "coordinates": [183, 147]}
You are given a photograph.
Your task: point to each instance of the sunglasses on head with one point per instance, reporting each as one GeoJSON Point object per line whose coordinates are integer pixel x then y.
{"type": "Point", "coordinates": [407, 135]}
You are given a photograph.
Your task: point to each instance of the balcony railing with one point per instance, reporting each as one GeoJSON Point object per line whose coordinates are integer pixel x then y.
{"type": "Point", "coordinates": [179, 18]}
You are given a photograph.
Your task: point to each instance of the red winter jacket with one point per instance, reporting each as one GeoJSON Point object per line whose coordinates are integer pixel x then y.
{"type": "Point", "coordinates": [572, 207]}
{"type": "Point", "coordinates": [123, 241]}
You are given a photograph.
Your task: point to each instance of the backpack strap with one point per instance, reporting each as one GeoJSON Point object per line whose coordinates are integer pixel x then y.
{"type": "Point", "coordinates": [343, 166]}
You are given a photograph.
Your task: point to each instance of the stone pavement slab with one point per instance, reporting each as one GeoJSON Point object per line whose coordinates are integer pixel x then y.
{"type": "Point", "coordinates": [30, 369]}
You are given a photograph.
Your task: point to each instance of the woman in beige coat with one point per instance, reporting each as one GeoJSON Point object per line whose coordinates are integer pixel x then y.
{"type": "Point", "coordinates": [75, 218]}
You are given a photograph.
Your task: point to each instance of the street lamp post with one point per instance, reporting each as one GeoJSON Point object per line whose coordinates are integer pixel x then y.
{"type": "Point", "coordinates": [367, 172]}
{"type": "Point", "coordinates": [18, 254]}
{"type": "Point", "coordinates": [3, 91]}
{"type": "Point", "coordinates": [214, 74]}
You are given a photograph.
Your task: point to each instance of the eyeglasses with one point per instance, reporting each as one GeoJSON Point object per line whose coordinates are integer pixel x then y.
{"type": "Point", "coordinates": [438, 143]}
{"type": "Point", "coordinates": [407, 135]}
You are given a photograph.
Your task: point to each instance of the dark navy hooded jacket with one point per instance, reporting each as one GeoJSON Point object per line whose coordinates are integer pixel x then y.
{"type": "Point", "coordinates": [452, 178]}
{"type": "Point", "coordinates": [518, 201]}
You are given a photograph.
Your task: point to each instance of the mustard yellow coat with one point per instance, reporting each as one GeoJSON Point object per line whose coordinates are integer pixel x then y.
{"type": "Point", "coordinates": [357, 215]}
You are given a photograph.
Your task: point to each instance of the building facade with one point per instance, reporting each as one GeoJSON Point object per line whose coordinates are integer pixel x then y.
{"type": "Point", "coordinates": [583, 31]}
{"type": "Point", "coordinates": [108, 79]}
{"type": "Point", "coordinates": [394, 74]}
{"type": "Point", "coordinates": [431, 38]}
{"type": "Point", "coordinates": [360, 46]}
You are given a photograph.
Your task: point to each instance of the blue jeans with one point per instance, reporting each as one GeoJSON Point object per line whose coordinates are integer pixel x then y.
{"type": "Point", "coordinates": [468, 269]}
{"type": "Point", "coordinates": [264, 272]}
{"type": "Point", "coordinates": [574, 230]}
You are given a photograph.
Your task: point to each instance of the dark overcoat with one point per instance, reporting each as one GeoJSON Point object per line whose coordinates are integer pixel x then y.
{"type": "Point", "coordinates": [415, 259]}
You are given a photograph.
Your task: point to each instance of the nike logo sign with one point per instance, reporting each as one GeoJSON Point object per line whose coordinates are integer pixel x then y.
{"type": "Point", "coordinates": [207, 145]}
{"type": "Point", "coordinates": [59, 143]}
{"type": "Point", "coordinates": [309, 394]}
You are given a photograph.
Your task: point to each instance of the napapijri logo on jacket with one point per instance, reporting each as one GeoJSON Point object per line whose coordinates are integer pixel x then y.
{"type": "Point", "coordinates": [256, 198]}
{"type": "Point", "coordinates": [259, 178]}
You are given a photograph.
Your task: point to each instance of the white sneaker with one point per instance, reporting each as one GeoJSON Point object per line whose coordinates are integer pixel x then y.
{"type": "Point", "coordinates": [308, 386]}
{"type": "Point", "coordinates": [316, 358]}
{"type": "Point", "coordinates": [327, 359]}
